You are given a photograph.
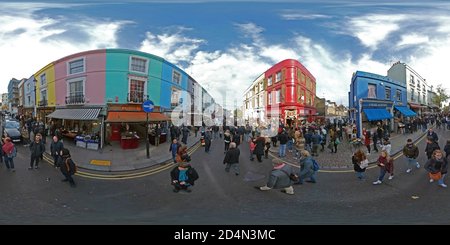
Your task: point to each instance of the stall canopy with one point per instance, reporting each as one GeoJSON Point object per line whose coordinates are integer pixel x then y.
{"type": "Point", "coordinates": [406, 111]}
{"type": "Point", "coordinates": [374, 114]}
{"type": "Point", "coordinates": [76, 114]}
{"type": "Point", "coordinates": [128, 116]}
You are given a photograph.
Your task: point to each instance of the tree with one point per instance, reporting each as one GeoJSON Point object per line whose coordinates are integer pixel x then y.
{"type": "Point", "coordinates": [440, 96]}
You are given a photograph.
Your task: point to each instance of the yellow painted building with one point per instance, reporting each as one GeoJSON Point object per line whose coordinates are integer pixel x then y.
{"type": "Point", "coordinates": [45, 91]}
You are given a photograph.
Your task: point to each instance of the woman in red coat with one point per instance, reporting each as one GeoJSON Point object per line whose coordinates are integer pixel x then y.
{"type": "Point", "coordinates": [367, 136]}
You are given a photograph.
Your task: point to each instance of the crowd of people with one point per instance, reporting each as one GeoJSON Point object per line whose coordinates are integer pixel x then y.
{"type": "Point", "coordinates": [34, 137]}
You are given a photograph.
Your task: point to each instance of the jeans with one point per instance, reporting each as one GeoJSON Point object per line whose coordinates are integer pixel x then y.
{"type": "Point", "coordinates": [174, 157]}
{"type": "Point", "coordinates": [9, 162]}
{"type": "Point", "coordinates": [34, 159]}
{"type": "Point", "coordinates": [361, 175]}
{"type": "Point", "coordinates": [441, 181]}
{"type": "Point", "coordinates": [410, 161]}
{"type": "Point", "coordinates": [306, 146]}
{"type": "Point", "coordinates": [251, 155]}
{"type": "Point", "coordinates": [55, 160]}
{"type": "Point", "coordinates": [296, 153]}
{"type": "Point", "coordinates": [234, 165]}
{"type": "Point", "coordinates": [69, 178]}
{"type": "Point", "coordinates": [312, 178]}
{"type": "Point", "coordinates": [291, 145]}
{"type": "Point", "coordinates": [315, 150]}
{"type": "Point", "coordinates": [282, 150]}
{"type": "Point", "coordinates": [382, 174]}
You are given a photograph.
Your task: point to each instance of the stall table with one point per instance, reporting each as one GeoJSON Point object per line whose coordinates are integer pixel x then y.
{"type": "Point", "coordinates": [162, 138]}
{"type": "Point", "coordinates": [132, 143]}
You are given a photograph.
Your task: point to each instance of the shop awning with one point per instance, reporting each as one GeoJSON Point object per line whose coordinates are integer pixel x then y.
{"type": "Point", "coordinates": [416, 106]}
{"type": "Point", "coordinates": [129, 116]}
{"type": "Point", "coordinates": [76, 114]}
{"type": "Point", "coordinates": [406, 111]}
{"type": "Point", "coordinates": [374, 114]}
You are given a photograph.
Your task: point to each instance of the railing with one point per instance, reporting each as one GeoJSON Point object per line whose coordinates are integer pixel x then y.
{"type": "Point", "coordinates": [42, 103]}
{"type": "Point", "coordinates": [174, 104]}
{"type": "Point", "coordinates": [75, 99]}
{"type": "Point", "coordinates": [137, 97]}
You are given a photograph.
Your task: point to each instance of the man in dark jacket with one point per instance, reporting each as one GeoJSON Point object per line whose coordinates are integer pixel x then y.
{"type": "Point", "coordinates": [183, 176]}
{"type": "Point", "coordinates": [411, 152]}
{"type": "Point", "coordinates": [208, 139]}
{"type": "Point", "coordinates": [315, 139]}
{"type": "Point", "coordinates": [185, 133]}
{"type": "Point", "coordinates": [433, 134]}
{"type": "Point", "coordinates": [431, 146]}
{"type": "Point", "coordinates": [37, 148]}
{"type": "Point", "coordinates": [56, 148]}
{"type": "Point", "coordinates": [68, 167]}
{"type": "Point", "coordinates": [308, 137]}
{"type": "Point", "coordinates": [282, 137]}
{"type": "Point", "coordinates": [232, 158]}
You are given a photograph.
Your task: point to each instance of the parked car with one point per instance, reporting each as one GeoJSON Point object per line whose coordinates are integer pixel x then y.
{"type": "Point", "coordinates": [13, 129]}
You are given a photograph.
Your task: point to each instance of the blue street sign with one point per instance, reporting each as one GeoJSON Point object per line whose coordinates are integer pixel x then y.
{"type": "Point", "coordinates": [148, 106]}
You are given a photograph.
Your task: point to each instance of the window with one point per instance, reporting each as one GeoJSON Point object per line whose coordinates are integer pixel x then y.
{"type": "Point", "coordinates": [270, 98]}
{"type": "Point", "coordinates": [28, 87]}
{"type": "Point", "coordinates": [176, 77]}
{"type": "Point", "coordinates": [269, 81]}
{"type": "Point", "coordinates": [372, 91]}
{"type": "Point", "coordinates": [29, 100]}
{"type": "Point", "coordinates": [399, 95]}
{"type": "Point", "coordinates": [43, 78]}
{"type": "Point", "coordinates": [175, 97]}
{"type": "Point", "coordinates": [412, 94]}
{"type": "Point", "coordinates": [412, 79]}
{"type": "Point", "coordinates": [75, 66]}
{"type": "Point", "coordinates": [418, 96]}
{"type": "Point", "coordinates": [261, 100]}
{"type": "Point", "coordinates": [138, 64]}
{"type": "Point", "coordinates": [137, 91]}
{"type": "Point", "coordinates": [388, 93]}
{"type": "Point", "coordinates": [278, 95]}
{"type": "Point", "coordinates": [278, 76]}
{"type": "Point", "coordinates": [302, 98]}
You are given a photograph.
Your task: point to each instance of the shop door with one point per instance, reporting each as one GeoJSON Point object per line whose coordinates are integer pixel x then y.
{"type": "Point", "coordinates": [115, 131]}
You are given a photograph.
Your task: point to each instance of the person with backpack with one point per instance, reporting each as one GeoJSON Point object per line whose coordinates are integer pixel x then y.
{"type": "Point", "coordinates": [56, 150]}
{"type": "Point", "coordinates": [10, 152]}
{"type": "Point", "coordinates": [68, 167]}
{"type": "Point", "coordinates": [37, 148]}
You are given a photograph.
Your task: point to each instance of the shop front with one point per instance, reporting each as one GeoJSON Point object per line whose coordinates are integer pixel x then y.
{"type": "Point", "coordinates": [373, 112]}
{"type": "Point", "coordinates": [127, 124]}
{"type": "Point", "coordinates": [82, 125]}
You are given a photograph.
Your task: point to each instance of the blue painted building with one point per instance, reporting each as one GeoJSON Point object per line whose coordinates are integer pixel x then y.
{"type": "Point", "coordinates": [29, 97]}
{"type": "Point", "coordinates": [375, 98]}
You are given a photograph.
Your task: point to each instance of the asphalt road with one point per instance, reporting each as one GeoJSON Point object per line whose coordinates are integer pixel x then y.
{"type": "Point", "coordinates": [218, 197]}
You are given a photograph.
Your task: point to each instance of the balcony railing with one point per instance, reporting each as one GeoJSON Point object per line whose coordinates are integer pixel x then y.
{"type": "Point", "coordinates": [75, 99]}
{"type": "Point", "coordinates": [137, 97]}
{"type": "Point", "coordinates": [174, 104]}
{"type": "Point", "coordinates": [42, 103]}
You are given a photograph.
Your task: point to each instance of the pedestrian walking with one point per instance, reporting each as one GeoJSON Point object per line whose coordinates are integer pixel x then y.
{"type": "Point", "coordinates": [386, 145]}
{"type": "Point", "coordinates": [431, 146]}
{"type": "Point", "coordinates": [173, 148]}
{"type": "Point", "coordinates": [252, 148]}
{"type": "Point", "coordinates": [290, 136]}
{"type": "Point", "coordinates": [10, 152]}
{"type": "Point", "coordinates": [279, 177]}
{"type": "Point", "coordinates": [333, 144]}
{"type": "Point", "coordinates": [208, 140]}
{"type": "Point", "coordinates": [183, 176]}
{"type": "Point", "coordinates": [67, 167]}
{"type": "Point", "coordinates": [437, 167]}
{"type": "Point", "coordinates": [386, 164]}
{"type": "Point", "coordinates": [315, 140]}
{"type": "Point", "coordinates": [411, 152]}
{"type": "Point", "coordinates": [367, 137]}
{"type": "Point", "coordinates": [360, 163]}
{"type": "Point", "coordinates": [299, 143]}
{"type": "Point", "coordinates": [282, 137]}
{"type": "Point", "coordinates": [266, 147]}
{"type": "Point", "coordinates": [56, 148]}
{"type": "Point", "coordinates": [433, 134]}
{"type": "Point", "coordinates": [157, 135]}
{"type": "Point", "coordinates": [185, 134]}
{"type": "Point", "coordinates": [37, 148]}
{"type": "Point", "coordinates": [259, 149]}
{"type": "Point", "coordinates": [447, 149]}
{"type": "Point", "coordinates": [306, 168]}
{"type": "Point", "coordinates": [375, 140]}
{"type": "Point", "coordinates": [308, 137]}
{"type": "Point", "coordinates": [232, 158]}
{"type": "Point", "coordinates": [226, 140]}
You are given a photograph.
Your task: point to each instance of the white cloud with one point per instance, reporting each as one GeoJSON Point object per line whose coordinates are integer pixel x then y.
{"type": "Point", "coordinates": [297, 16]}
{"type": "Point", "coordinates": [411, 39]}
{"type": "Point", "coordinates": [41, 39]}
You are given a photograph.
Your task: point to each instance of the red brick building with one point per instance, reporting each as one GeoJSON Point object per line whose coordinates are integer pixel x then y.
{"type": "Point", "coordinates": [293, 88]}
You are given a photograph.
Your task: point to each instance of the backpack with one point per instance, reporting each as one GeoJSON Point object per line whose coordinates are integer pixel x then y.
{"type": "Point", "coordinates": [315, 165]}
{"type": "Point", "coordinates": [68, 166]}
{"type": "Point", "coordinates": [14, 153]}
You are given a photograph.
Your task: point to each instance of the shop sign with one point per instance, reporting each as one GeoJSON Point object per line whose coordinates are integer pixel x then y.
{"type": "Point", "coordinates": [376, 104]}
{"type": "Point", "coordinates": [290, 114]}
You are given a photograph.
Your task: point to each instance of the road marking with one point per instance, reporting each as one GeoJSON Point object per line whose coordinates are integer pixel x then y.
{"type": "Point", "coordinates": [99, 162]}
{"type": "Point", "coordinates": [169, 164]}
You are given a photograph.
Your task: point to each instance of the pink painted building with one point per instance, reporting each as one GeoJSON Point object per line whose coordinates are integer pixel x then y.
{"type": "Point", "coordinates": [80, 95]}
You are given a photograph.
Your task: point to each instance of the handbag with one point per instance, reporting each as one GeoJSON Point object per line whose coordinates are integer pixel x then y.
{"type": "Point", "coordinates": [436, 176]}
{"type": "Point", "coordinates": [291, 176]}
{"type": "Point", "coordinates": [364, 164]}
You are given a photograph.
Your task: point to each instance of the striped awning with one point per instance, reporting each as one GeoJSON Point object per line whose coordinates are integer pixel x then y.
{"type": "Point", "coordinates": [76, 114]}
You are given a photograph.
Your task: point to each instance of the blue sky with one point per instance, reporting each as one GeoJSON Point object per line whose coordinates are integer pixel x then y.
{"type": "Point", "coordinates": [225, 45]}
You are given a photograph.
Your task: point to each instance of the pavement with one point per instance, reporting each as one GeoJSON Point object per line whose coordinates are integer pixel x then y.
{"type": "Point", "coordinates": [112, 158]}
{"type": "Point", "coordinates": [343, 159]}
